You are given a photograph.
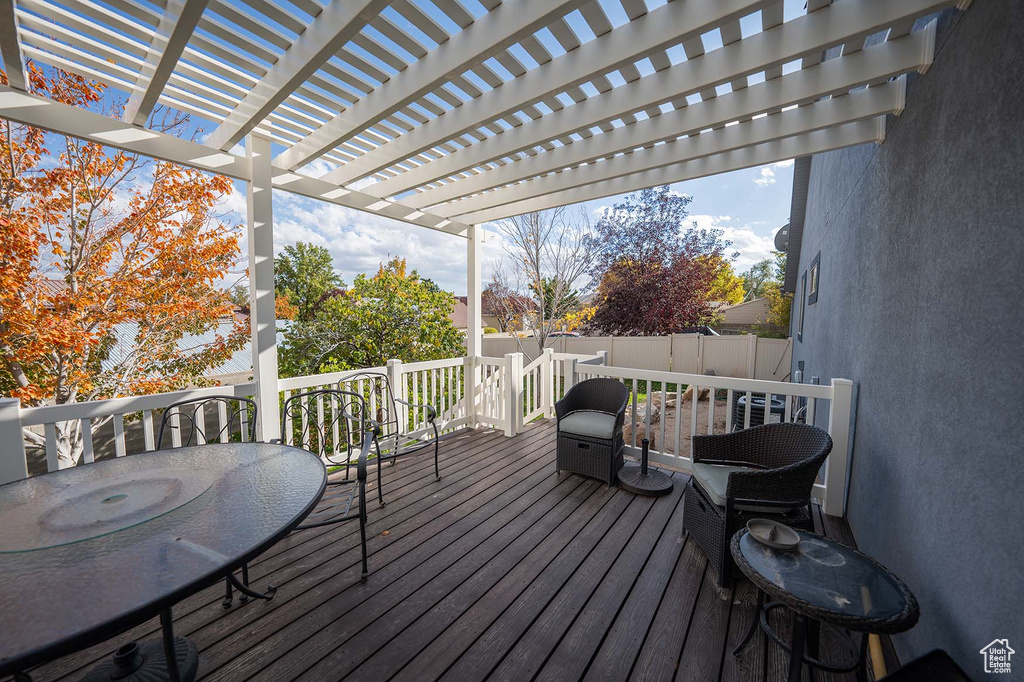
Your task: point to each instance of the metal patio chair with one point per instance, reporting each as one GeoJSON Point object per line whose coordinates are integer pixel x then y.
{"type": "Point", "coordinates": [334, 425]}
{"type": "Point", "coordinates": [188, 422]}
{"type": "Point", "coordinates": [764, 471]}
{"type": "Point", "coordinates": [394, 439]}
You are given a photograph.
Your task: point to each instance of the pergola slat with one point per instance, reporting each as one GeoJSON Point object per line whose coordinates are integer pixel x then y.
{"type": "Point", "coordinates": [848, 135]}
{"type": "Point", "coordinates": [856, 106]}
{"type": "Point", "coordinates": [338, 22]}
{"type": "Point", "coordinates": [786, 42]}
{"type": "Point", "coordinates": [831, 78]}
{"type": "Point", "coordinates": [657, 30]}
{"type": "Point", "coordinates": [492, 33]}
{"type": "Point", "coordinates": [10, 47]}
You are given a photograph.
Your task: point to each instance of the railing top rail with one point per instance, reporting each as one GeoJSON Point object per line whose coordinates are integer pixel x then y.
{"type": "Point", "coordinates": [578, 357]}
{"type": "Point", "coordinates": [47, 414]}
{"type": "Point", "coordinates": [310, 380]}
{"type": "Point", "coordinates": [433, 364]}
{"type": "Point", "coordinates": [736, 384]}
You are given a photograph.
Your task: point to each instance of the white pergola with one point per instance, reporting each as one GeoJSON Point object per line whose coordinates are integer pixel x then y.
{"type": "Point", "coordinates": [448, 114]}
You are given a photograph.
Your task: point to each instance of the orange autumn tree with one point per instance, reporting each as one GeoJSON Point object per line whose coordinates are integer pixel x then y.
{"type": "Point", "coordinates": [110, 266]}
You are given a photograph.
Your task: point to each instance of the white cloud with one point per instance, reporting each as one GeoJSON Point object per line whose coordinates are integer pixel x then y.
{"type": "Point", "coordinates": [752, 247]}
{"type": "Point", "coordinates": [767, 175]}
{"type": "Point", "coordinates": [766, 178]}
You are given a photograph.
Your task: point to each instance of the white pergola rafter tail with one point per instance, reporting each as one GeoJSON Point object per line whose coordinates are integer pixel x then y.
{"type": "Point", "coordinates": [333, 27]}
{"type": "Point", "coordinates": [657, 30]}
{"type": "Point", "coordinates": [828, 113]}
{"type": "Point", "coordinates": [833, 77]}
{"type": "Point", "coordinates": [786, 42]}
{"type": "Point", "coordinates": [176, 28]}
{"type": "Point", "coordinates": [67, 120]}
{"type": "Point", "coordinates": [848, 135]}
{"type": "Point", "coordinates": [10, 48]}
{"type": "Point", "coordinates": [484, 38]}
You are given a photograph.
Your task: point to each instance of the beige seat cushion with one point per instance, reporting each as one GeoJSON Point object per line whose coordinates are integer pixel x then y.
{"type": "Point", "coordinates": [714, 480]}
{"type": "Point", "coordinates": [588, 423]}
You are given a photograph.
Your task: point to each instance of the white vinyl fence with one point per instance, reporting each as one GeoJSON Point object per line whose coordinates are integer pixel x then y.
{"type": "Point", "coordinates": [747, 356]}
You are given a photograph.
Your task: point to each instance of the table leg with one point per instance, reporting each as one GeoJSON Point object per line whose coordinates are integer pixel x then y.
{"type": "Point", "coordinates": [796, 653]}
{"type": "Point", "coordinates": [813, 640]}
{"type": "Point", "coordinates": [754, 622]}
{"type": "Point", "coordinates": [167, 626]}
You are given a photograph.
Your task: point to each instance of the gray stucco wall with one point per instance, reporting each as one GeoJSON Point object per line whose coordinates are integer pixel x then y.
{"type": "Point", "coordinates": [921, 303]}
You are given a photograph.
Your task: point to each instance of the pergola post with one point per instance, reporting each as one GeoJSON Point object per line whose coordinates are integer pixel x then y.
{"type": "Point", "coordinates": [474, 319]}
{"type": "Point", "coordinates": [262, 315]}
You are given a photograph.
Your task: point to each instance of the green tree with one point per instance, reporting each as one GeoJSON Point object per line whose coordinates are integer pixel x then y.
{"type": "Point", "coordinates": [304, 274]}
{"type": "Point", "coordinates": [393, 314]}
{"type": "Point", "coordinates": [757, 279]}
{"type": "Point", "coordinates": [780, 303]}
{"type": "Point", "coordinates": [567, 302]}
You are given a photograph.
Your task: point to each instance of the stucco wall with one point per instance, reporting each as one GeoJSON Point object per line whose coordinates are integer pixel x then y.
{"type": "Point", "coordinates": [921, 303]}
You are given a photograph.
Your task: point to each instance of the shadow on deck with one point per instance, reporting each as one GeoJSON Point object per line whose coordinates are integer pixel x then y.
{"type": "Point", "coordinates": [501, 571]}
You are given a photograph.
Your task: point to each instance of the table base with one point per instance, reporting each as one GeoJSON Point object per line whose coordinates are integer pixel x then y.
{"type": "Point", "coordinates": [803, 647]}
{"type": "Point", "coordinates": [174, 659]}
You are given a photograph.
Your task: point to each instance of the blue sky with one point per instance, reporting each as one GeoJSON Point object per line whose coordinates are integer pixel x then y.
{"type": "Point", "coordinates": [747, 205]}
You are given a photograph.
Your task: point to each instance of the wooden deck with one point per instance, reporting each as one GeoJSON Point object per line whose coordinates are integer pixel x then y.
{"type": "Point", "coordinates": [501, 571]}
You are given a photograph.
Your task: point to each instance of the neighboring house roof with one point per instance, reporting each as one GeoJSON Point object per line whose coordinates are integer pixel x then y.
{"type": "Point", "coordinates": [751, 312]}
{"type": "Point", "coordinates": [460, 313]}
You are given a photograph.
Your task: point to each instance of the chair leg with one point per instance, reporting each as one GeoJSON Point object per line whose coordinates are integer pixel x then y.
{"type": "Point", "coordinates": [380, 483]}
{"type": "Point", "coordinates": [229, 595]}
{"type": "Point", "coordinates": [362, 529]}
{"type": "Point", "coordinates": [437, 469]}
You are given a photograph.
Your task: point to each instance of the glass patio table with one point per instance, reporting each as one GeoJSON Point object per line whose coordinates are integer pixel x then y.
{"type": "Point", "coordinates": [90, 551]}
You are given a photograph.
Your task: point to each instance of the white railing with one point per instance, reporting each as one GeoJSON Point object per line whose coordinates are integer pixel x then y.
{"type": "Point", "coordinates": [132, 416]}
{"type": "Point", "coordinates": [439, 383]}
{"type": "Point", "coordinates": [667, 408]}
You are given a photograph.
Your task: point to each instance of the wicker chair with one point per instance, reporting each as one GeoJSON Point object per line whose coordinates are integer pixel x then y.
{"type": "Point", "coordinates": [334, 425]}
{"type": "Point", "coordinates": [590, 418]}
{"type": "Point", "coordinates": [393, 440]}
{"type": "Point", "coordinates": [764, 471]}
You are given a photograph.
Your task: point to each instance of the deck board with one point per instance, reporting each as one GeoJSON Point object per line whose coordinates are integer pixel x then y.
{"type": "Point", "coordinates": [503, 570]}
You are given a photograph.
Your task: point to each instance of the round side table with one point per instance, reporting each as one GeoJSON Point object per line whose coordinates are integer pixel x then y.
{"type": "Point", "coordinates": [822, 581]}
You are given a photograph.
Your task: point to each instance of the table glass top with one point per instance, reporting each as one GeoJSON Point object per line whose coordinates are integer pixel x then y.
{"type": "Point", "coordinates": [827, 575]}
{"type": "Point", "coordinates": [84, 546]}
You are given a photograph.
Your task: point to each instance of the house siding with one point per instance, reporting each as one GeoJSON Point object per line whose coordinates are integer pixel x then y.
{"type": "Point", "coordinates": [922, 256]}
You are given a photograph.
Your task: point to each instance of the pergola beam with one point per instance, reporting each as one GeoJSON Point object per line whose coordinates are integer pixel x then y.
{"type": "Point", "coordinates": [657, 30]}
{"type": "Point", "coordinates": [486, 37]}
{"type": "Point", "coordinates": [10, 46]}
{"type": "Point", "coordinates": [326, 35]}
{"type": "Point", "coordinates": [834, 77]}
{"type": "Point", "coordinates": [786, 42]}
{"type": "Point", "coordinates": [67, 120]}
{"type": "Point", "coordinates": [817, 142]}
{"type": "Point", "coordinates": [176, 27]}
{"type": "Point", "coordinates": [828, 113]}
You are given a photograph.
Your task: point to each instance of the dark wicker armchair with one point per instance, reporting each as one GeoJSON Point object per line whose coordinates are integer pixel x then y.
{"type": "Point", "coordinates": [393, 440]}
{"type": "Point", "coordinates": [763, 471]}
{"type": "Point", "coordinates": [590, 418]}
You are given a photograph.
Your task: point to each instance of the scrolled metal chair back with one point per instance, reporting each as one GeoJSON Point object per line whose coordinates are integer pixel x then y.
{"type": "Point", "coordinates": [216, 419]}
{"type": "Point", "coordinates": [376, 390]}
{"type": "Point", "coordinates": [330, 423]}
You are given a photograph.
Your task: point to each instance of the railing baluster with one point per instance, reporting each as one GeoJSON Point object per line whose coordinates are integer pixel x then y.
{"type": "Point", "coordinates": [304, 401]}
{"type": "Point", "coordinates": [243, 421]}
{"type": "Point", "coordinates": [679, 419]}
{"type": "Point", "coordinates": [87, 453]}
{"type": "Point", "coordinates": [52, 457]}
{"type": "Point", "coordinates": [711, 412]}
{"type": "Point", "coordinates": [746, 410]}
{"type": "Point", "coordinates": [647, 412]}
{"type": "Point", "coordinates": [789, 409]}
{"type": "Point", "coordinates": [174, 419]}
{"type": "Point", "coordinates": [223, 424]}
{"type": "Point", "coordinates": [664, 411]}
{"type": "Point", "coordinates": [632, 420]}
{"type": "Point", "coordinates": [320, 420]}
{"type": "Point", "coordinates": [119, 448]}
{"type": "Point", "coordinates": [199, 417]}
{"type": "Point", "coordinates": [728, 411]}
{"type": "Point", "coordinates": [148, 437]}
{"type": "Point", "coordinates": [694, 399]}
{"type": "Point", "coordinates": [286, 437]}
